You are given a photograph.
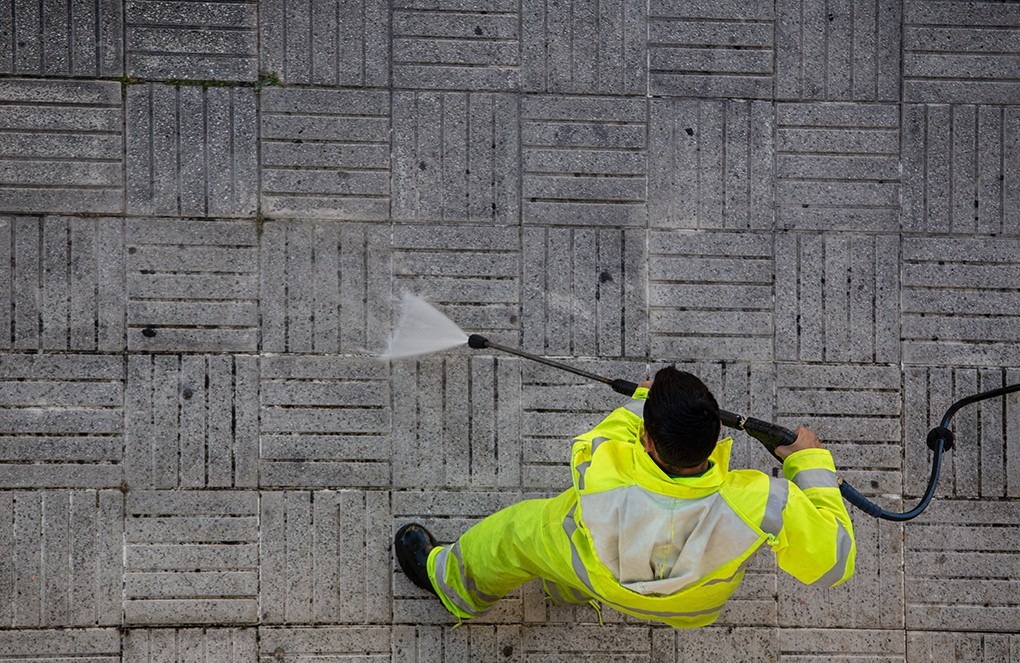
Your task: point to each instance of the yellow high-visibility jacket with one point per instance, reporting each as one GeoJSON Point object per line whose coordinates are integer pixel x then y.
{"type": "Point", "coordinates": [675, 549]}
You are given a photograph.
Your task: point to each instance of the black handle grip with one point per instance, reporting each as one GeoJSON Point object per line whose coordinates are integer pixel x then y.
{"type": "Point", "coordinates": [625, 387]}
{"type": "Point", "coordinates": [768, 433]}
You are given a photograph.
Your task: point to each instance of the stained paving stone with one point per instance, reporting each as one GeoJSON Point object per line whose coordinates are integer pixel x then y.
{"type": "Point", "coordinates": [208, 211]}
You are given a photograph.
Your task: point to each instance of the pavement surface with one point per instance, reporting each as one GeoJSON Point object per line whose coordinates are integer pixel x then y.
{"type": "Point", "coordinates": [208, 210]}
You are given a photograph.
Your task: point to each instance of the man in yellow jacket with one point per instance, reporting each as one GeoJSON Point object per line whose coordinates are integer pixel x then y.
{"type": "Point", "coordinates": [655, 525]}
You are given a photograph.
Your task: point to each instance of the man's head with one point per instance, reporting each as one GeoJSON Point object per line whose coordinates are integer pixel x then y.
{"type": "Point", "coordinates": [681, 418]}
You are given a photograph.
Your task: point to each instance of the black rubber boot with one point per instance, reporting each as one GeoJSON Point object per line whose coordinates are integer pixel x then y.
{"type": "Point", "coordinates": [412, 545]}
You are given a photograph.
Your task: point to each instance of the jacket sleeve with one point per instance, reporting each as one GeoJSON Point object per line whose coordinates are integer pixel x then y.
{"type": "Point", "coordinates": [815, 543]}
{"type": "Point", "coordinates": [624, 423]}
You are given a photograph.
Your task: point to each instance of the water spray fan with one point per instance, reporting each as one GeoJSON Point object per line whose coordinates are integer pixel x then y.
{"type": "Point", "coordinates": [423, 329]}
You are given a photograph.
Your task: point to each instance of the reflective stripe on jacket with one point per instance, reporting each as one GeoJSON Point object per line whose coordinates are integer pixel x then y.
{"type": "Point", "coordinates": [675, 549]}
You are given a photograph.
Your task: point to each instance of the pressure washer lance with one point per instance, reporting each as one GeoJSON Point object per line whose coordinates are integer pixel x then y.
{"type": "Point", "coordinates": [940, 439]}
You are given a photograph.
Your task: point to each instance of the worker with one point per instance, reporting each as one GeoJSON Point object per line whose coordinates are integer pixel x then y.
{"type": "Point", "coordinates": [655, 525]}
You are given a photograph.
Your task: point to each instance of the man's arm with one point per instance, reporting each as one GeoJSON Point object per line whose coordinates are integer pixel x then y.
{"type": "Point", "coordinates": [816, 544]}
{"type": "Point", "coordinates": [623, 423]}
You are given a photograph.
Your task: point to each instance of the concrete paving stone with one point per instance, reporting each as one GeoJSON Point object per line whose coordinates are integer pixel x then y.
{"type": "Point", "coordinates": [961, 52]}
{"type": "Point", "coordinates": [210, 41]}
{"type": "Point", "coordinates": [960, 567]}
{"type": "Point", "coordinates": [324, 153]}
{"type": "Point", "coordinates": [64, 283]}
{"type": "Point", "coordinates": [423, 644]}
{"type": "Point", "coordinates": [190, 645]}
{"type": "Point", "coordinates": [191, 150]}
{"type": "Point", "coordinates": [99, 645]}
{"type": "Point", "coordinates": [557, 406]}
{"type": "Point", "coordinates": [584, 48]}
{"type": "Point", "coordinates": [691, 646]}
{"type": "Point", "coordinates": [584, 292]}
{"type": "Point", "coordinates": [456, 45]}
{"type": "Point", "coordinates": [470, 273]}
{"type": "Point", "coordinates": [857, 413]}
{"type": "Point", "coordinates": [62, 147]}
{"type": "Point", "coordinates": [192, 285]}
{"type": "Point", "coordinates": [815, 645]}
{"type": "Point", "coordinates": [961, 169]}
{"type": "Point", "coordinates": [710, 296]}
{"type": "Point", "coordinates": [711, 49]}
{"type": "Point", "coordinates": [456, 157]}
{"type": "Point", "coordinates": [446, 515]}
{"type": "Point", "coordinates": [157, 591]}
{"type": "Point", "coordinates": [711, 164]}
{"type": "Point", "coordinates": [588, 643]}
{"type": "Point", "coordinates": [584, 160]}
{"type": "Point", "coordinates": [371, 644]}
{"type": "Point", "coordinates": [325, 557]}
{"type": "Point", "coordinates": [849, 50]}
{"type": "Point", "coordinates": [872, 599]}
{"type": "Point", "coordinates": [456, 421]}
{"type": "Point", "coordinates": [191, 422]}
{"type": "Point", "coordinates": [981, 331]}
{"type": "Point", "coordinates": [325, 287]}
{"type": "Point", "coordinates": [336, 42]}
{"type": "Point", "coordinates": [60, 558]}
{"type": "Point", "coordinates": [837, 167]}
{"type": "Point", "coordinates": [61, 421]}
{"type": "Point", "coordinates": [84, 38]}
{"type": "Point", "coordinates": [837, 297]}
{"type": "Point", "coordinates": [984, 462]}
{"type": "Point", "coordinates": [924, 647]}
{"type": "Point", "coordinates": [324, 422]}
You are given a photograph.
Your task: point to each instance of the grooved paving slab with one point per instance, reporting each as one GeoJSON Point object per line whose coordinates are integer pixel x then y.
{"type": "Point", "coordinates": [455, 157]}
{"type": "Point", "coordinates": [190, 645]}
{"type": "Point", "coordinates": [191, 285]}
{"type": "Point", "coordinates": [324, 422]}
{"type": "Point", "coordinates": [61, 421]}
{"type": "Point", "coordinates": [324, 557]}
{"type": "Point", "coordinates": [217, 531]}
{"type": "Point", "coordinates": [449, 45]}
{"type": "Point", "coordinates": [322, 287]}
{"type": "Point", "coordinates": [584, 161]}
{"type": "Point", "coordinates": [326, 42]}
{"type": "Point", "coordinates": [583, 288]}
{"type": "Point", "coordinates": [839, 297]}
{"type": "Point", "coordinates": [324, 153]}
{"type": "Point", "coordinates": [366, 643]}
{"type": "Point", "coordinates": [191, 150]}
{"type": "Point", "coordinates": [844, 50]}
{"type": "Point", "coordinates": [711, 48]}
{"type": "Point", "coordinates": [959, 301]}
{"type": "Point", "coordinates": [956, 52]}
{"type": "Point", "coordinates": [216, 40]}
{"type": "Point", "coordinates": [961, 169]}
{"type": "Point", "coordinates": [710, 295]}
{"type": "Point", "coordinates": [837, 167]}
{"type": "Point", "coordinates": [60, 558]}
{"type": "Point", "coordinates": [582, 47]}
{"type": "Point", "coordinates": [969, 582]}
{"type": "Point", "coordinates": [711, 164]}
{"type": "Point", "coordinates": [62, 283]}
{"type": "Point", "coordinates": [80, 38]}
{"type": "Point", "coordinates": [61, 147]}
{"type": "Point", "coordinates": [191, 422]}
{"type": "Point", "coordinates": [101, 645]}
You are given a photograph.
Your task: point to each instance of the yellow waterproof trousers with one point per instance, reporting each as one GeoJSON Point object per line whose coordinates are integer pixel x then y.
{"type": "Point", "coordinates": [517, 544]}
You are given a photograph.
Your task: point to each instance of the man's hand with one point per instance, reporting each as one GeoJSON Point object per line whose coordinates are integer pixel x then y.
{"type": "Point", "coordinates": [645, 383]}
{"type": "Point", "coordinates": [806, 439]}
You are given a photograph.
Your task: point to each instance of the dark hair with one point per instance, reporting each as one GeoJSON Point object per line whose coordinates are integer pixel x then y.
{"type": "Point", "coordinates": [681, 416]}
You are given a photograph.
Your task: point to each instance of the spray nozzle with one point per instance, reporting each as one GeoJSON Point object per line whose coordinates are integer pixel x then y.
{"type": "Point", "coordinates": [477, 342]}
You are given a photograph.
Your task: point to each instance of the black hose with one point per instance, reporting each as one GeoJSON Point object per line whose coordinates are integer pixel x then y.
{"type": "Point", "coordinates": [940, 440]}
